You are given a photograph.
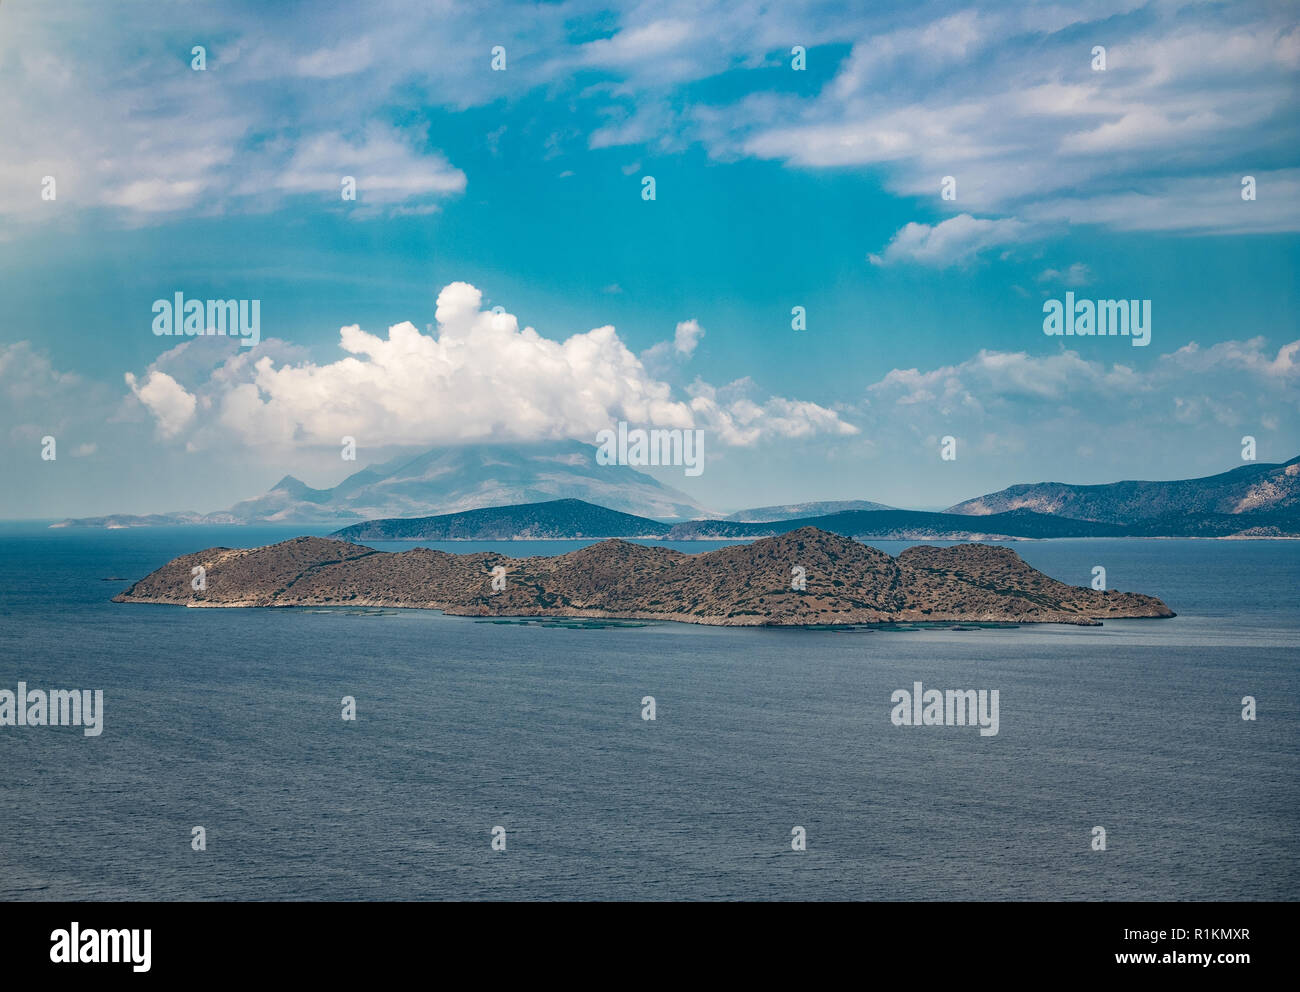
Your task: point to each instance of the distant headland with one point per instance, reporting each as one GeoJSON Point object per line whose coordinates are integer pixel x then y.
{"type": "Point", "coordinates": [557, 491]}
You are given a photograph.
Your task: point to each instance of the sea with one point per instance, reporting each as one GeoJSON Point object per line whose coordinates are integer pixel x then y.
{"type": "Point", "coordinates": [492, 761]}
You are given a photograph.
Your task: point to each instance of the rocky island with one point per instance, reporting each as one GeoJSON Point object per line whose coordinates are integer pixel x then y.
{"type": "Point", "coordinates": [844, 582]}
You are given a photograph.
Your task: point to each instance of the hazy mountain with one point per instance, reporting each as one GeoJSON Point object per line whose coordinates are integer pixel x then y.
{"type": "Point", "coordinates": [792, 511]}
{"type": "Point", "coordinates": [447, 480]}
{"type": "Point", "coordinates": [1250, 489]}
{"type": "Point", "coordinates": [555, 490]}
{"type": "Point", "coordinates": [744, 585]}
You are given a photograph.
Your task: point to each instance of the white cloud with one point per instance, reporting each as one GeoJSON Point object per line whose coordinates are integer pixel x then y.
{"type": "Point", "coordinates": [954, 241]}
{"type": "Point", "coordinates": [1246, 356]}
{"type": "Point", "coordinates": [1006, 102]}
{"type": "Point", "coordinates": [659, 358]}
{"type": "Point", "coordinates": [482, 376]}
{"type": "Point", "coordinates": [111, 108]}
{"type": "Point", "coordinates": [687, 336]}
{"type": "Point", "coordinates": [172, 407]}
{"type": "Point", "coordinates": [739, 421]}
{"type": "Point", "coordinates": [1204, 205]}
{"type": "Point", "coordinates": [1002, 98]}
{"type": "Point", "coordinates": [1041, 401]}
{"type": "Point", "coordinates": [387, 169]}
{"type": "Point", "coordinates": [637, 45]}
{"type": "Point", "coordinates": [344, 59]}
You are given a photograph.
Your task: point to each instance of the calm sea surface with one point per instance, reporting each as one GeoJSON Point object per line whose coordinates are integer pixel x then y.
{"type": "Point", "coordinates": [230, 719]}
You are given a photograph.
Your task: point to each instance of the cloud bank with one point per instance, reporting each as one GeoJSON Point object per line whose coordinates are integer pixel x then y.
{"type": "Point", "coordinates": [481, 377]}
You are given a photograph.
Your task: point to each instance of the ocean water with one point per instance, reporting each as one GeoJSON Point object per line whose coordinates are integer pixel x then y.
{"type": "Point", "coordinates": [230, 719]}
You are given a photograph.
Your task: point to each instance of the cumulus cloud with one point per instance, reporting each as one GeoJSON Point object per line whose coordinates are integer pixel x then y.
{"type": "Point", "coordinates": [480, 377]}
{"type": "Point", "coordinates": [1246, 356]}
{"type": "Point", "coordinates": [659, 358]}
{"type": "Point", "coordinates": [738, 420]}
{"type": "Point", "coordinates": [172, 407]}
{"type": "Point", "coordinates": [687, 336]}
{"type": "Point", "coordinates": [992, 377]}
{"type": "Point", "coordinates": [1068, 403]}
{"type": "Point", "coordinates": [955, 241]}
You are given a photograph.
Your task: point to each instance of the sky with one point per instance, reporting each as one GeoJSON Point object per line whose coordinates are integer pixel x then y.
{"type": "Point", "coordinates": [929, 178]}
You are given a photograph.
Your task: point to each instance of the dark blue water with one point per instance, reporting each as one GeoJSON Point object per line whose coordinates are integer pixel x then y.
{"type": "Point", "coordinates": [230, 719]}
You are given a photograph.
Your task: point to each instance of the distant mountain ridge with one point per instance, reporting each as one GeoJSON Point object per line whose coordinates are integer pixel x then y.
{"type": "Point", "coordinates": [1247, 490]}
{"type": "Point", "coordinates": [445, 480]}
{"type": "Point", "coordinates": [554, 490]}
{"type": "Point", "coordinates": [572, 519]}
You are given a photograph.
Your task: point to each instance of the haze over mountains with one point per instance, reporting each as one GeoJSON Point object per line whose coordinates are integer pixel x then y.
{"type": "Point", "coordinates": [446, 480]}
{"type": "Point", "coordinates": [555, 490]}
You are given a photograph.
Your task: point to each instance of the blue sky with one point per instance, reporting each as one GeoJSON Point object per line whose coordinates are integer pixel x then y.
{"type": "Point", "coordinates": [521, 189]}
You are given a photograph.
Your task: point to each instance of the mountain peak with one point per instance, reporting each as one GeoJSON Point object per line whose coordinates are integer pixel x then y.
{"type": "Point", "coordinates": [455, 479]}
{"type": "Point", "coordinates": [1244, 489]}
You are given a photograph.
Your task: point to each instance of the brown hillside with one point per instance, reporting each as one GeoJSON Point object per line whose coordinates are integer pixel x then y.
{"type": "Point", "coordinates": [847, 582]}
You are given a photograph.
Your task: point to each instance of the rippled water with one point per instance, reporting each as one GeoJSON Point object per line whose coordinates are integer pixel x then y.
{"type": "Point", "coordinates": [230, 719]}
